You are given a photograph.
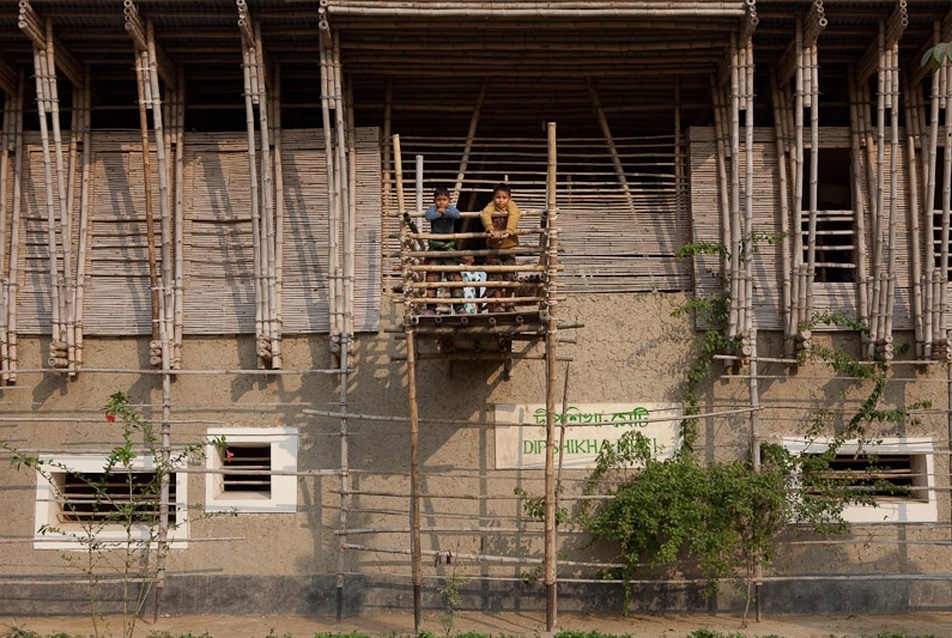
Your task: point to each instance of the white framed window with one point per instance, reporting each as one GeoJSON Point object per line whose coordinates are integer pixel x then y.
{"type": "Point", "coordinates": [906, 463]}
{"type": "Point", "coordinates": [254, 471]}
{"type": "Point", "coordinates": [69, 507]}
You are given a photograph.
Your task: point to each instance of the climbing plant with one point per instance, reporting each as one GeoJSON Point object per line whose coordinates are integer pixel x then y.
{"type": "Point", "coordinates": [724, 517]}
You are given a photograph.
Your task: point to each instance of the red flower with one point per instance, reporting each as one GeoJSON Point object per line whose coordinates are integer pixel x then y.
{"type": "Point", "coordinates": [111, 418]}
{"type": "Point", "coordinates": [229, 455]}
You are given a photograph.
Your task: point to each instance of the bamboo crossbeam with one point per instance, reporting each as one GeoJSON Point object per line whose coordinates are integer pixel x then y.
{"type": "Point", "coordinates": [136, 28]}
{"type": "Point", "coordinates": [8, 78]}
{"type": "Point", "coordinates": [33, 27]}
{"type": "Point", "coordinates": [684, 9]}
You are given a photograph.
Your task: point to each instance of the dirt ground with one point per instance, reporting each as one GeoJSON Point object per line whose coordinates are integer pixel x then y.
{"type": "Point", "coordinates": [527, 625]}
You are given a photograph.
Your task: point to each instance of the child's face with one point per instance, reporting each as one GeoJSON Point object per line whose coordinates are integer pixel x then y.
{"type": "Point", "coordinates": [441, 201]}
{"type": "Point", "coordinates": [467, 260]}
{"type": "Point", "coordinates": [501, 199]}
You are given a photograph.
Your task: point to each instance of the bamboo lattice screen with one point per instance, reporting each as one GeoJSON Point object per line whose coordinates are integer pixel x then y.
{"type": "Point", "coordinates": [219, 287]}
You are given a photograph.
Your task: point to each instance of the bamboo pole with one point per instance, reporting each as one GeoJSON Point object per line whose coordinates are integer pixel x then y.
{"type": "Point", "coordinates": [416, 547]}
{"type": "Point", "coordinates": [10, 374]}
{"type": "Point", "coordinates": [551, 340]}
{"type": "Point", "coordinates": [780, 142]}
{"type": "Point", "coordinates": [343, 186]}
{"type": "Point", "coordinates": [6, 141]}
{"type": "Point", "coordinates": [334, 203]}
{"type": "Point", "coordinates": [610, 143]}
{"type": "Point", "coordinates": [349, 226]}
{"type": "Point", "coordinates": [141, 71]}
{"type": "Point", "coordinates": [178, 312]}
{"type": "Point", "coordinates": [859, 209]}
{"type": "Point", "coordinates": [468, 146]}
{"type": "Point", "coordinates": [255, 200]}
{"type": "Point", "coordinates": [278, 282]}
{"type": "Point", "coordinates": [748, 100]}
{"type": "Point", "coordinates": [79, 290]}
{"type": "Point", "coordinates": [735, 318]}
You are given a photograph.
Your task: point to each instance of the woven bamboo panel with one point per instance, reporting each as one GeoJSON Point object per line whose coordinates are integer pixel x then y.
{"type": "Point", "coordinates": [219, 286]}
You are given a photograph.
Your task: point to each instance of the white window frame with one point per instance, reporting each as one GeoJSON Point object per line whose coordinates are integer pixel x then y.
{"type": "Point", "coordinates": [47, 507]}
{"type": "Point", "coordinates": [886, 510]}
{"type": "Point", "coordinates": [284, 458]}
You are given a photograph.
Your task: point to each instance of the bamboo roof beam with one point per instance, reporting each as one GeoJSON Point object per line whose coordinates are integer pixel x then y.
{"type": "Point", "coordinates": [574, 10]}
{"type": "Point", "coordinates": [32, 26]}
{"type": "Point", "coordinates": [8, 78]}
{"type": "Point", "coordinates": [137, 30]}
{"type": "Point", "coordinates": [894, 27]}
{"type": "Point", "coordinates": [813, 25]}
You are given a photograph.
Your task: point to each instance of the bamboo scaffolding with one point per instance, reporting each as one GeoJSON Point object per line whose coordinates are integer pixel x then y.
{"type": "Point", "coordinates": [142, 70]}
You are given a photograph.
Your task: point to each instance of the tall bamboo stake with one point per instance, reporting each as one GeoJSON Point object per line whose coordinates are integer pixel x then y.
{"type": "Point", "coordinates": [142, 69]}
{"type": "Point", "coordinates": [859, 209]}
{"type": "Point", "coordinates": [178, 311]}
{"type": "Point", "coordinates": [10, 374]}
{"type": "Point", "coordinates": [278, 282]}
{"type": "Point", "coordinates": [343, 185]}
{"type": "Point", "coordinates": [781, 145]}
{"type": "Point", "coordinates": [551, 372]}
{"type": "Point", "coordinates": [255, 196]}
{"type": "Point", "coordinates": [334, 204]}
{"type": "Point", "coordinates": [349, 226]}
{"type": "Point", "coordinates": [6, 140]}
{"type": "Point", "coordinates": [79, 290]}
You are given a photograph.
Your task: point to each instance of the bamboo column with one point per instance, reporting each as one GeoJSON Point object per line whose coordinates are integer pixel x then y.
{"type": "Point", "coordinates": [262, 189]}
{"type": "Point", "coordinates": [329, 90]}
{"type": "Point", "coordinates": [7, 136]}
{"type": "Point", "coordinates": [8, 285]}
{"type": "Point", "coordinates": [47, 57]}
{"type": "Point", "coordinates": [83, 108]}
{"type": "Point", "coordinates": [551, 339]}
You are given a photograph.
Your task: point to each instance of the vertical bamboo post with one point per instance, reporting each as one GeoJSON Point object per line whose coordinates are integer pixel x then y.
{"type": "Point", "coordinates": [250, 94]}
{"type": "Point", "coordinates": [781, 145]}
{"type": "Point", "coordinates": [349, 226]}
{"type": "Point", "coordinates": [141, 71]}
{"type": "Point", "coordinates": [859, 206]}
{"type": "Point", "coordinates": [735, 318]}
{"type": "Point", "coordinates": [178, 223]}
{"type": "Point", "coordinates": [327, 104]}
{"type": "Point", "coordinates": [802, 284]}
{"type": "Point", "coordinates": [79, 290]}
{"type": "Point", "coordinates": [551, 340]}
{"type": "Point", "coordinates": [6, 139]}
{"type": "Point", "coordinates": [342, 185]}
{"type": "Point", "coordinates": [278, 283]}
{"type": "Point", "coordinates": [722, 156]}
{"type": "Point", "coordinates": [10, 375]}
